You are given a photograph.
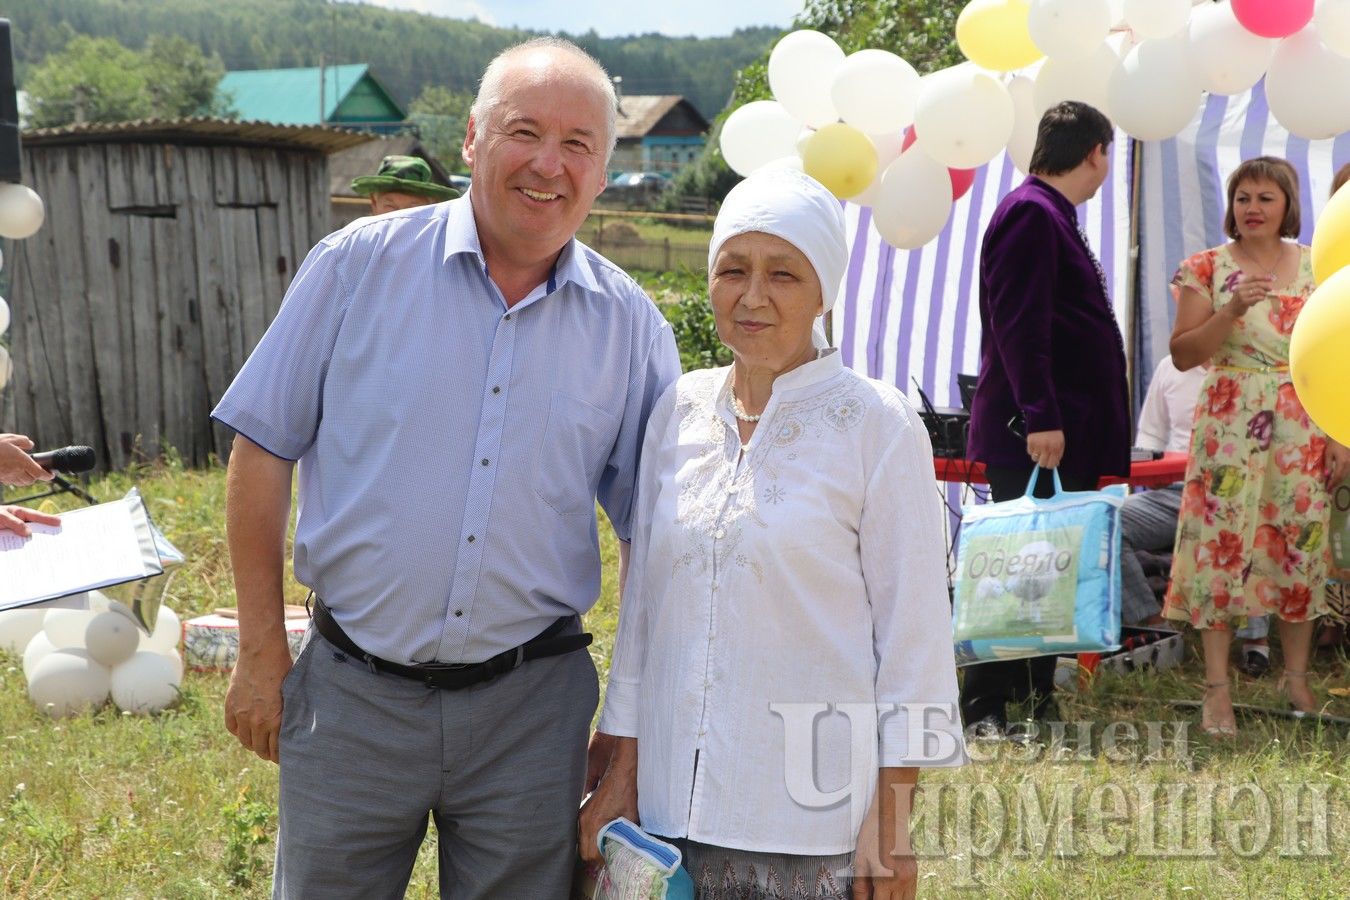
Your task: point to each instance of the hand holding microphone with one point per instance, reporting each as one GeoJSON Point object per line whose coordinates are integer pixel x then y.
{"type": "Point", "coordinates": [19, 467]}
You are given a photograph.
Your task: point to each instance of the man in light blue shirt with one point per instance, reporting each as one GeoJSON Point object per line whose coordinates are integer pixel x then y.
{"type": "Point", "coordinates": [459, 384]}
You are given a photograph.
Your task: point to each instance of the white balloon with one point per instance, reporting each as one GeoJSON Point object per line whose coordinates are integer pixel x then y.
{"type": "Point", "coordinates": [1227, 57]}
{"type": "Point", "coordinates": [110, 638]}
{"type": "Point", "coordinates": [915, 200]}
{"type": "Point", "coordinates": [168, 632]}
{"type": "Point", "coordinates": [66, 682]}
{"type": "Point", "coordinates": [4, 316]}
{"type": "Point", "coordinates": [801, 73]}
{"type": "Point", "coordinates": [964, 117]}
{"type": "Point", "coordinates": [1084, 79]}
{"type": "Point", "coordinates": [757, 133]}
{"type": "Point", "coordinates": [6, 367]}
{"type": "Point", "coordinates": [1306, 87]}
{"type": "Point", "coordinates": [802, 137]}
{"type": "Point", "coordinates": [889, 147]}
{"type": "Point", "coordinates": [146, 683]}
{"type": "Point", "coordinates": [1154, 93]}
{"type": "Point", "coordinates": [1117, 12]}
{"type": "Point", "coordinates": [1068, 29]}
{"type": "Point", "coordinates": [17, 627]}
{"type": "Point", "coordinates": [1150, 19]}
{"type": "Point", "coordinates": [1332, 20]}
{"type": "Point", "coordinates": [65, 627]}
{"type": "Point", "coordinates": [875, 91]}
{"type": "Point", "coordinates": [177, 660]}
{"type": "Point", "coordinates": [37, 648]}
{"type": "Point", "coordinates": [1026, 120]}
{"type": "Point", "coordinates": [21, 211]}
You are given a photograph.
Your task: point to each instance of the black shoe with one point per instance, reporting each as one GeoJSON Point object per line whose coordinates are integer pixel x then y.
{"type": "Point", "coordinates": [1254, 664]}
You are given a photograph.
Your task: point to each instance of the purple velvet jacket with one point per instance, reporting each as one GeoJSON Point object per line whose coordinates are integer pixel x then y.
{"type": "Point", "coordinates": [1051, 354]}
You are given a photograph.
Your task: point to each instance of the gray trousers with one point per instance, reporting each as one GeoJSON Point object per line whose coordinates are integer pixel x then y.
{"type": "Point", "coordinates": [366, 757]}
{"type": "Point", "coordinates": [1148, 521]}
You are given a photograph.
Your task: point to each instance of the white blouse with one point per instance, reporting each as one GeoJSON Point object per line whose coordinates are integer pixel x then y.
{"type": "Point", "coordinates": [805, 576]}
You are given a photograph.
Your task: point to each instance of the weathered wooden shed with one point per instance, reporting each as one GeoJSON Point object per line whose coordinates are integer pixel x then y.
{"type": "Point", "coordinates": [166, 251]}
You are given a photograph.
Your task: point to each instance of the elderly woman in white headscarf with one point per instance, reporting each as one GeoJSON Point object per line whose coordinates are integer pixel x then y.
{"type": "Point", "coordinates": [784, 660]}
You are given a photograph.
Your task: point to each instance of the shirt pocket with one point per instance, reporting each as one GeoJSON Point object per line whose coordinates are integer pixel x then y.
{"type": "Point", "coordinates": [575, 446]}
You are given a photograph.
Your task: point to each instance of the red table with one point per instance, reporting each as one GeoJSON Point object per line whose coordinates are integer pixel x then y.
{"type": "Point", "coordinates": [1152, 473]}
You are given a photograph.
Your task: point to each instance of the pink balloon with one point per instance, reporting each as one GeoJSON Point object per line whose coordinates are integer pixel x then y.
{"type": "Point", "coordinates": [962, 179]}
{"type": "Point", "coordinates": [1273, 18]}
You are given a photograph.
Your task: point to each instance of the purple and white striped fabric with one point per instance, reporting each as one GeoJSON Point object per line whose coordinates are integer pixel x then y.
{"type": "Point", "coordinates": [912, 315]}
{"type": "Point", "coordinates": [1182, 199]}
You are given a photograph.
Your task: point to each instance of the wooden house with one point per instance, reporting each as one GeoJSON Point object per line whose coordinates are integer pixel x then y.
{"type": "Point", "coordinates": [657, 133]}
{"type": "Point", "coordinates": [166, 252]}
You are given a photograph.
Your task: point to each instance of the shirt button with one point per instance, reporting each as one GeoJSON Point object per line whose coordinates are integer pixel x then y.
{"type": "Point", "coordinates": [720, 533]}
{"type": "Point", "coordinates": [733, 488]}
{"type": "Point", "coordinates": [496, 389]}
{"type": "Point", "coordinates": [458, 613]}
{"type": "Point", "coordinates": [508, 317]}
{"type": "Point", "coordinates": [485, 462]}
{"type": "Point", "coordinates": [472, 539]}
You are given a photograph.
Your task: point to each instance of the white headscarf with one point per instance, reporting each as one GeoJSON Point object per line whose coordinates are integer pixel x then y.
{"type": "Point", "coordinates": [789, 204]}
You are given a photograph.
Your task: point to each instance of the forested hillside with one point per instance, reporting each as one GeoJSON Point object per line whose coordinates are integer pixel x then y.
{"type": "Point", "coordinates": [408, 51]}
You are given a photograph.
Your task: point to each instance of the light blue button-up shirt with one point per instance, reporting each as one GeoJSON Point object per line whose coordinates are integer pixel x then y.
{"type": "Point", "coordinates": [451, 450]}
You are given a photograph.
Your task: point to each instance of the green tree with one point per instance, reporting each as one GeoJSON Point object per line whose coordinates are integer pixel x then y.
{"type": "Point", "coordinates": [441, 115]}
{"type": "Point", "coordinates": [100, 80]}
{"type": "Point", "coordinates": [91, 80]}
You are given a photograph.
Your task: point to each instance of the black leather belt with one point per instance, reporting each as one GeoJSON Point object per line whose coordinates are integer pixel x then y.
{"type": "Point", "coordinates": [454, 677]}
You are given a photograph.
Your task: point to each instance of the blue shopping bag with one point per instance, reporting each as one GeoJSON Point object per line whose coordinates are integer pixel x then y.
{"type": "Point", "coordinates": [637, 867]}
{"type": "Point", "coordinates": [1037, 577]}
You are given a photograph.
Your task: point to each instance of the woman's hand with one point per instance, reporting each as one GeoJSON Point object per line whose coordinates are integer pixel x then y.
{"type": "Point", "coordinates": [1337, 463]}
{"type": "Point", "coordinates": [615, 796]}
{"type": "Point", "coordinates": [884, 867]}
{"type": "Point", "coordinates": [16, 519]}
{"type": "Point", "coordinates": [1249, 291]}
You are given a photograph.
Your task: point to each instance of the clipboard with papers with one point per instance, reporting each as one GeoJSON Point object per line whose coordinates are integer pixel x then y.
{"type": "Point", "coordinates": [93, 547]}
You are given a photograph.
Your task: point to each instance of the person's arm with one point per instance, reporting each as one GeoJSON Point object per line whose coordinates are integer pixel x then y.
{"type": "Point", "coordinates": [1337, 462]}
{"type": "Point", "coordinates": [884, 865]}
{"type": "Point", "coordinates": [1019, 267]}
{"type": "Point", "coordinates": [16, 519]}
{"type": "Point", "coordinates": [615, 796]}
{"type": "Point", "coordinates": [1200, 330]}
{"type": "Point", "coordinates": [257, 509]}
{"type": "Point", "coordinates": [601, 747]}
{"type": "Point", "coordinates": [16, 466]}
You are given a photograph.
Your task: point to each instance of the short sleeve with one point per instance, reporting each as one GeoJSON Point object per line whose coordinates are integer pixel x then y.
{"type": "Point", "coordinates": [276, 400]}
{"type": "Point", "coordinates": [1196, 273]}
{"type": "Point", "coordinates": [657, 370]}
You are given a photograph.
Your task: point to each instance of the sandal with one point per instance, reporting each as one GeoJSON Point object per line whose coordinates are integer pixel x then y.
{"type": "Point", "coordinates": [1284, 685]}
{"type": "Point", "coordinates": [1212, 725]}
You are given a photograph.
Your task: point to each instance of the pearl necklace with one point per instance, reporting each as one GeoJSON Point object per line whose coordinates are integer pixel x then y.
{"type": "Point", "coordinates": [739, 411]}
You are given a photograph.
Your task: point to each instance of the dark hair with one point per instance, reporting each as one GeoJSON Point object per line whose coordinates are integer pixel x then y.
{"type": "Point", "coordinates": [1266, 168]}
{"type": "Point", "coordinates": [1067, 135]}
{"type": "Point", "coordinates": [1342, 176]}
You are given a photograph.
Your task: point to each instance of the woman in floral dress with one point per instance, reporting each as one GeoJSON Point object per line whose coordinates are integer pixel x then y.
{"type": "Point", "coordinates": [1252, 538]}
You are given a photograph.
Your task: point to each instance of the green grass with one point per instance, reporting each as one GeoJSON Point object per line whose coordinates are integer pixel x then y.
{"type": "Point", "coordinates": [117, 806]}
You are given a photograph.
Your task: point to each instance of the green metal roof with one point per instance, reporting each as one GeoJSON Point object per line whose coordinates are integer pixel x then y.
{"type": "Point", "coordinates": [292, 96]}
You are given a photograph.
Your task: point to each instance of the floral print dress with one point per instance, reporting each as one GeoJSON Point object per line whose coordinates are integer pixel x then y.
{"type": "Point", "coordinates": [1252, 537]}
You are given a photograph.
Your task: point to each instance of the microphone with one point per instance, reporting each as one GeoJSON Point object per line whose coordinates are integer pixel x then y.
{"type": "Point", "coordinates": [70, 460]}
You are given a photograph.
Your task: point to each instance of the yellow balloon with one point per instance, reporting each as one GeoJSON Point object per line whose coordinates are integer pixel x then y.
{"type": "Point", "coordinates": [1331, 237]}
{"type": "Point", "coordinates": [994, 34]}
{"type": "Point", "coordinates": [842, 158]}
{"type": "Point", "coordinates": [1318, 360]}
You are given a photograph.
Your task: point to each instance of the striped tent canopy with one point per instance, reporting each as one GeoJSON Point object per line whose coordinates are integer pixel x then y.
{"type": "Point", "coordinates": [912, 316]}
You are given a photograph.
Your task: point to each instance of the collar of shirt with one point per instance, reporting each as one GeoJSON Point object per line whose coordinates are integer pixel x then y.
{"type": "Point", "coordinates": [461, 236]}
{"type": "Point", "coordinates": [822, 368]}
{"type": "Point", "coordinates": [1060, 201]}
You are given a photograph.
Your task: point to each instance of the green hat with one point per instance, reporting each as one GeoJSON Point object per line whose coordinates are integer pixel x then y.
{"type": "Point", "coordinates": [406, 174]}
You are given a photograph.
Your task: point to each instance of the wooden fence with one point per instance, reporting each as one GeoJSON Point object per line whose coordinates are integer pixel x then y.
{"type": "Point", "coordinates": [158, 269]}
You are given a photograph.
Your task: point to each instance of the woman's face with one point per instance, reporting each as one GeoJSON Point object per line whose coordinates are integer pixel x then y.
{"type": "Point", "coordinates": [765, 298]}
{"type": "Point", "coordinates": [1258, 208]}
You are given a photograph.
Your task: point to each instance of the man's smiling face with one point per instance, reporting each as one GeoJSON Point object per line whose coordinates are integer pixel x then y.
{"type": "Point", "coordinates": [539, 157]}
